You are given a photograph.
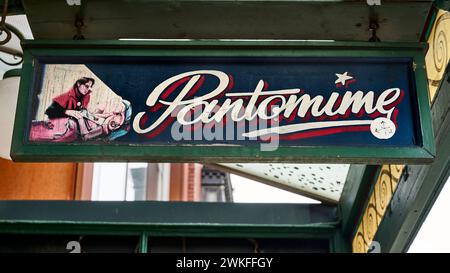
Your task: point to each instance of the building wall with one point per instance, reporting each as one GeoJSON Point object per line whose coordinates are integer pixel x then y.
{"type": "Point", "coordinates": [37, 181]}
{"type": "Point", "coordinates": [185, 182]}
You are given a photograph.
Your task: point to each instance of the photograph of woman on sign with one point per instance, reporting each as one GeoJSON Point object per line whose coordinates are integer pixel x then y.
{"type": "Point", "coordinates": [68, 118]}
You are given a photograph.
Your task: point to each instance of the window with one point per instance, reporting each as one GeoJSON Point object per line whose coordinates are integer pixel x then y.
{"type": "Point", "coordinates": [131, 181]}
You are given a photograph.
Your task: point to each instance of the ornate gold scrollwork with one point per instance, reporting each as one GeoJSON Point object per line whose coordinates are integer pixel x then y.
{"type": "Point", "coordinates": [359, 244]}
{"type": "Point", "coordinates": [439, 43]}
{"type": "Point", "coordinates": [383, 190]}
{"type": "Point", "coordinates": [370, 222]}
{"type": "Point", "coordinates": [438, 54]}
{"type": "Point", "coordinates": [379, 200]}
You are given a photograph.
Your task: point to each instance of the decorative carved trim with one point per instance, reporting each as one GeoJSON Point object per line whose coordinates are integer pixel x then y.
{"type": "Point", "coordinates": [379, 200]}
{"type": "Point", "coordinates": [439, 43]}
{"type": "Point", "coordinates": [438, 54]}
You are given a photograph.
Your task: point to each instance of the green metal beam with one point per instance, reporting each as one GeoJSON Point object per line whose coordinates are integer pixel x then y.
{"type": "Point", "coordinates": [429, 23]}
{"type": "Point", "coordinates": [355, 196]}
{"type": "Point", "coordinates": [340, 243]}
{"type": "Point", "coordinates": [143, 243]}
{"type": "Point", "coordinates": [167, 212]}
{"type": "Point", "coordinates": [169, 219]}
{"type": "Point", "coordinates": [443, 4]}
{"type": "Point", "coordinates": [418, 190]}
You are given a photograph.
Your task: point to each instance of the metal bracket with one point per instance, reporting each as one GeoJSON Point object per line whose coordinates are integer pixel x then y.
{"type": "Point", "coordinates": [373, 26]}
{"type": "Point", "coordinates": [406, 173]}
{"type": "Point", "coordinates": [79, 24]}
{"type": "Point", "coordinates": [9, 30]}
{"type": "Point", "coordinates": [3, 27]}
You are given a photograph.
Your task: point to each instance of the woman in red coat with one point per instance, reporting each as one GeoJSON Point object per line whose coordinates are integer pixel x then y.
{"type": "Point", "coordinates": [70, 103]}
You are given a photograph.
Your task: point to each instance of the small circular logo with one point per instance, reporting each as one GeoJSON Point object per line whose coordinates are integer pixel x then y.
{"type": "Point", "coordinates": [382, 128]}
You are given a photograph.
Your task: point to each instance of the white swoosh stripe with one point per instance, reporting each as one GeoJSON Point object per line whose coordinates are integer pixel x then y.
{"type": "Point", "coordinates": [292, 128]}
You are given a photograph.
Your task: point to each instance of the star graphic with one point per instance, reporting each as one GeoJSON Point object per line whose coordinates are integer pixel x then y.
{"type": "Point", "coordinates": [342, 78]}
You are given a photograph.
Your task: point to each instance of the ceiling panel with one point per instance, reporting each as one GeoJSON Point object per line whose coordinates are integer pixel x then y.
{"type": "Point", "coordinates": [322, 182]}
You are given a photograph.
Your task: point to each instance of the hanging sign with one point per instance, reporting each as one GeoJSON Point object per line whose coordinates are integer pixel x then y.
{"type": "Point", "coordinates": [222, 102]}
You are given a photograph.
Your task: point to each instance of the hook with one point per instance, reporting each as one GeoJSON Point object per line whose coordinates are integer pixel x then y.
{"type": "Point", "coordinates": [79, 24]}
{"type": "Point", "coordinates": [15, 56]}
{"type": "Point", "coordinates": [373, 26]}
{"type": "Point", "coordinates": [406, 172]}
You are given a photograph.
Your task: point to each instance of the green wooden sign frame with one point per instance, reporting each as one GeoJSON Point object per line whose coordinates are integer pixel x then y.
{"type": "Point", "coordinates": [22, 150]}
